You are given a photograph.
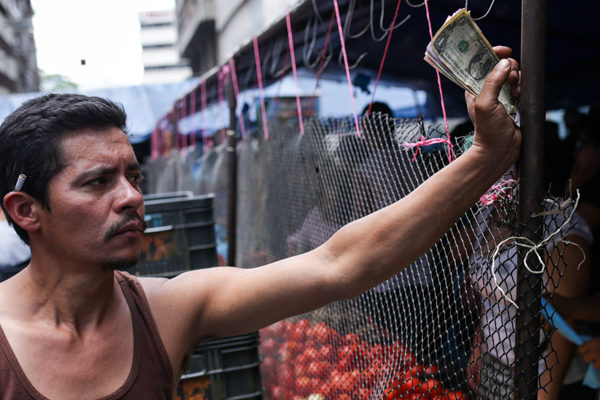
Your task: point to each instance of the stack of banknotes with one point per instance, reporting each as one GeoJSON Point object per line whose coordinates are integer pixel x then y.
{"type": "Point", "coordinates": [460, 52]}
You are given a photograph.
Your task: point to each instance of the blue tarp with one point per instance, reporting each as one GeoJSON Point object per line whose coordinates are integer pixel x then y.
{"type": "Point", "coordinates": [144, 104]}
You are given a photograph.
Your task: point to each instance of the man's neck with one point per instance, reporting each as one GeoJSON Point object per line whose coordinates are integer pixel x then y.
{"type": "Point", "coordinates": [74, 301]}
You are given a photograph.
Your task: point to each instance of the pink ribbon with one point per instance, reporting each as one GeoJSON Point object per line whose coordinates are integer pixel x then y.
{"type": "Point", "coordinates": [260, 87]}
{"type": "Point", "coordinates": [387, 45]}
{"type": "Point", "coordinates": [497, 191]}
{"type": "Point", "coordinates": [237, 95]}
{"type": "Point", "coordinates": [203, 111]}
{"type": "Point", "coordinates": [293, 58]}
{"type": "Point", "coordinates": [340, 30]}
{"type": "Point", "coordinates": [451, 155]}
{"type": "Point", "coordinates": [425, 142]}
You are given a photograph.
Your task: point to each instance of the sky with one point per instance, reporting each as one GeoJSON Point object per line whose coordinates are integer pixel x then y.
{"type": "Point", "coordinates": [105, 33]}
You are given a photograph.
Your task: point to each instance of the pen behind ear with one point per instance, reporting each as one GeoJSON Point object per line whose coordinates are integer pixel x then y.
{"type": "Point", "coordinates": [20, 182]}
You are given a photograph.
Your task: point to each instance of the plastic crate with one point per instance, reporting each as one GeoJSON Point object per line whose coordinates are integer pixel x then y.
{"type": "Point", "coordinates": [223, 369]}
{"type": "Point", "coordinates": [179, 236]}
{"type": "Point", "coordinates": [167, 195]}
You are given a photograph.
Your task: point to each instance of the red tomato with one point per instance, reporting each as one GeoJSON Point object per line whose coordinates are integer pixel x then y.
{"type": "Point", "coordinates": [303, 386]}
{"type": "Point", "coordinates": [269, 345]}
{"type": "Point", "coordinates": [376, 352]}
{"type": "Point", "coordinates": [351, 338]}
{"type": "Point", "coordinates": [276, 393]}
{"type": "Point", "coordinates": [431, 386]}
{"type": "Point", "coordinates": [349, 351]}
{"type": "Point", "coordinates": [432, 369]}
{"type": "Point", "coordinates": [364, 393]}
{"type": "Point", "coordinates": [311, 354]}
{"type": "Point", "coordinates": [325, 352]}
{"type": "Point", "coordinates": [409, 385]}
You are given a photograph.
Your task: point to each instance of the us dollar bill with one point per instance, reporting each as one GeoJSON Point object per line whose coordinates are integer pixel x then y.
{"type": "Point", "coordinates": [460, 51]}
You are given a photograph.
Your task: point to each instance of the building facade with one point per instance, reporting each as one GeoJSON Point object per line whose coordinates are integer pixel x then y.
{"type": "Point", "coordinates": [18, 64]}
{"type": "Point", "coordinates": [160, 54]}
{"type": "Point", "coordinates": [211, 31]}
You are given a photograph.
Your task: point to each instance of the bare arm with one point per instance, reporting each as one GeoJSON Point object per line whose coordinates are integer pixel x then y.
{"type": "Point", "coordinates": [228, 301]}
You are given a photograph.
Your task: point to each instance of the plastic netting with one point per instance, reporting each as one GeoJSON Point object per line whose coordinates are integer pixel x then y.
{"type": "Point", "coordinates": [443, 328]}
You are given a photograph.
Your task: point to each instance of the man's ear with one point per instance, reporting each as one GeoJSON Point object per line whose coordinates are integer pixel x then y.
{"type": "Point", "coordinates": [23, 210]}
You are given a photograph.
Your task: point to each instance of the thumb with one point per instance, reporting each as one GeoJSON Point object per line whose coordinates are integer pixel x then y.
{"type": "Point", "coordinates": [494, 81]}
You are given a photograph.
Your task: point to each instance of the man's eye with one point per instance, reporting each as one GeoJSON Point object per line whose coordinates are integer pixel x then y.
{"type": "Point", "coordinates": [136, 178]}
{"type": "Point", "coordinates": [97, 182]}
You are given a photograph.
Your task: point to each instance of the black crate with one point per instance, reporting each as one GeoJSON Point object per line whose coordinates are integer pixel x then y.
{"type": "Point", "coordinates": [179, 236]}
{"type": "Point", "coordinates": [223, 369]}
{"type": "Point", "coordinates": [167, 195]}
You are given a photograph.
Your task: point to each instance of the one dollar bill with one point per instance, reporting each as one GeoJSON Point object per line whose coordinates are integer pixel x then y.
{"type": "Point", "coordinates": [462, 54]}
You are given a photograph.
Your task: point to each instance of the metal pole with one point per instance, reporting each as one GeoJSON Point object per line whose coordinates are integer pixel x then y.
{"type": "Point", "coordinates": [231, 175]}
{"type": "Point", "coordinates": [533, 106]}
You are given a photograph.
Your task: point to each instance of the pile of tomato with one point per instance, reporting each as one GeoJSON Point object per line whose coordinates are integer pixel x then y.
{"type": "Point", "coordinates": [312, 361]}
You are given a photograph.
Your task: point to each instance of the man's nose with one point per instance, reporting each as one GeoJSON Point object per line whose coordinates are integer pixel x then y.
{"type": "Point", "coordinates": [129, 195]}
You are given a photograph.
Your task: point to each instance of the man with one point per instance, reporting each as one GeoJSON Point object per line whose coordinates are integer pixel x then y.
{"type": "Point", "coordinates": [74, 328]}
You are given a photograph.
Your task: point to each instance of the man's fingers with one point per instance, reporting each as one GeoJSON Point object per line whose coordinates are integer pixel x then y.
{"type": "Point", "coordinates": [494, 81]}
{"type": "Point", "coordinates": [503, 51]}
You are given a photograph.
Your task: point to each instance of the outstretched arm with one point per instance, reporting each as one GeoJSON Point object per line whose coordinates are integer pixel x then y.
{"type": "Point", "coordinates": [228, 301]}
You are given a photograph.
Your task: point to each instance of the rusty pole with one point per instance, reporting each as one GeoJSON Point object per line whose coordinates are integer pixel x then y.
{"type": "Point", "coordinates": [533, 107]}
{"type": "Point", "coordinates": [231, 174]}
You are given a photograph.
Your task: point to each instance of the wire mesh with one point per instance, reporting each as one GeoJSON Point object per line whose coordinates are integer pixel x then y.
{"type": "Point", "coordinates": [444, 327]}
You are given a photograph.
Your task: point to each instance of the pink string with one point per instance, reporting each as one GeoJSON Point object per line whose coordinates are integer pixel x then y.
{"type": "Point", "coordinates": [203, 111]}
{"type": "Point", "coordinates": [176, 116]}
{"type": "Point", "coordinates": [222, 77]}
{"type": "Point", "coordinates": [451, 155]}
{"type": "Point", "coordinates": [312, 99]}
{"type": "Point", "coordinates": [279, 84]}
{"type": "Point", "coordinates": [237, 95]}
{"type": "Point", "coordinates": [497, 191]}
{"type": "Point", "coordinates": [387, 45]}
{"type": "Point", "coordinates": [183, 115]}
{"type": "Point", "coordinates": [154, 141]}
{"type": "Point", "coordinates": [424, 142]}
{"type": "Point", "coordinates": [293, 58]}
{"type": "Point", "coordinates": [192, 113]}
{"type": "Point", "coordinates": [260, 87]}
{"type": "Point", "coordinates": [340, 30]}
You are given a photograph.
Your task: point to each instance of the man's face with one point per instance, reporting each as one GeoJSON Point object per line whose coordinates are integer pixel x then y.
{"type": "Point", "coordinates": [97, 209]}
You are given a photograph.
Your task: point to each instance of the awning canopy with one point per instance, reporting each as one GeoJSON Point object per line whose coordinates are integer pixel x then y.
{"type": "Point", "coordinates": [144, 104]}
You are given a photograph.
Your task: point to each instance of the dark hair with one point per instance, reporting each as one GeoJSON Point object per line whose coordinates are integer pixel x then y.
{"type": "Point", "coordinates": [30, 140]}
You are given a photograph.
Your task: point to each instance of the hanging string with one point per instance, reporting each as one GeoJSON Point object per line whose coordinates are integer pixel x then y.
{"type": "Point", "coordinates": [203, 111]}
{"type": "Point", "coordinates": [260, 88]}
{"type": "Point", "coordinates": [321, 63]}
{"type": "Point", "coordinates": [451, 155]}
{"type": "Point", "coordinates": [222, 76]}
{"type": "Point", "coordinates": [341, 32]}
{"type": "Point", "coordinates": [503, 187]}
{"type": "Point", "coordinates": [183, 115]}
{"type": "Point", "coordinates": [387, 45]}
{"type": "Point", "coordinates": [423, 143]}
{"type": "Point", "coordinates": [237, 95]}
{"type": "Point", "coordinates": [192, 113]}
{"type": "Point", "coordinates": [293, 60]}
{"type": "Point", "coordinates": [176, 114]}
{"type": "Point", "coordinates": [154, 143]}
{"type": "Point", "coordinates": [535, 248]}
{"type": "Point", "coordinates": [275, 102]}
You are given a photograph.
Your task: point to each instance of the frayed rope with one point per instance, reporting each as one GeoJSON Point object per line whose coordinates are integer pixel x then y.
{"type": "Point", "coordinates": [425, 142]}
{"type": "Point", "coordinates": [535, 247]}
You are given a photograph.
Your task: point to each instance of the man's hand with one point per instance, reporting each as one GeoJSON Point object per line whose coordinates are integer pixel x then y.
{"type": "Point", "coordinates": [591, 351]}
{"type": "Point", "coordinates": [495, 132]}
